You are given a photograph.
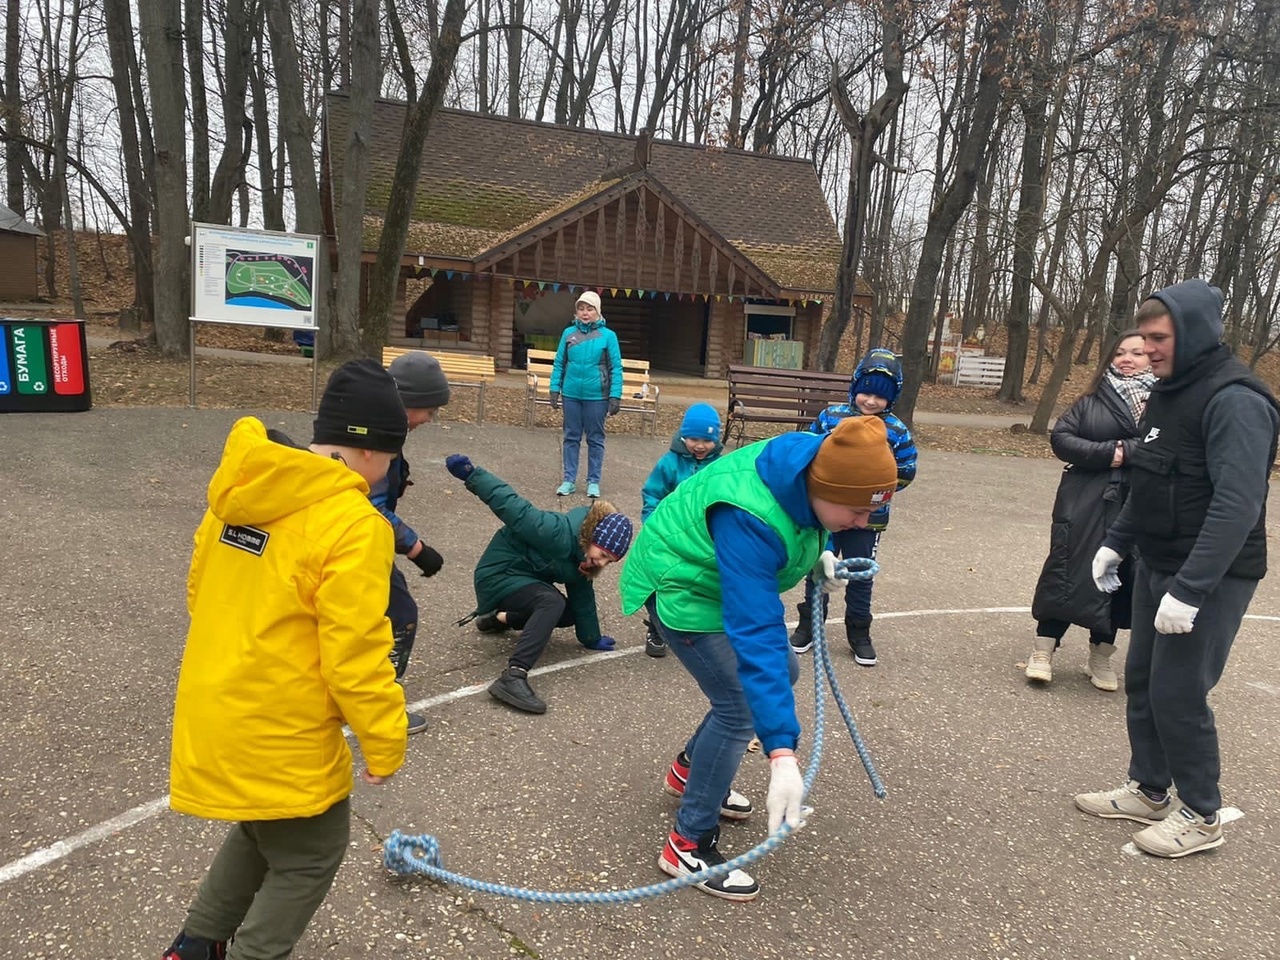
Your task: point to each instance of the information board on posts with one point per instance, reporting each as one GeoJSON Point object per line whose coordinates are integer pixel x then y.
{"type": "Point", "coordinates": [254, 277]}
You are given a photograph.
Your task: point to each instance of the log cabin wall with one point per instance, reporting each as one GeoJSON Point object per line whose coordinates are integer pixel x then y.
{"type": "Point", "coordinates": [679, 335]}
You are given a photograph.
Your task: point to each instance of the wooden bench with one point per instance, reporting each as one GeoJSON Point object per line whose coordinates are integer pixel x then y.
{"type": "Point", "coordinates": [460, 369]}
{"type": "Point", "coordinates": [639, 393]}
{"type": "Point", "coordinates": [770, 395]}
{"type": "Point", "coordinates": [974, 371]}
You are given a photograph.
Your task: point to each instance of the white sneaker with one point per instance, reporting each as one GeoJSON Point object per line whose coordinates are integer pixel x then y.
{"type": "Point", "coordinates": [1124, 803]}
{"type": "Point", "coordinates": [1182, 832]}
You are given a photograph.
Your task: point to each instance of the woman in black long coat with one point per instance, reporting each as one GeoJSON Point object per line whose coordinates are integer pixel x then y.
{"type": "Point", "coordinates": [1094, 438]}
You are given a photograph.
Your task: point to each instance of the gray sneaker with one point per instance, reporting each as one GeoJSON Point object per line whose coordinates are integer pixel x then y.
{"type": "Point", "coordinates": [1124, 803]}
{"type": "Point", "coordinates": [1182, 832]}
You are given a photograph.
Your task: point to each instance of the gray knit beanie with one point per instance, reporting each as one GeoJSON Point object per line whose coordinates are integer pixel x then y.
{"type": "Point", "coordinates": [421, 381]}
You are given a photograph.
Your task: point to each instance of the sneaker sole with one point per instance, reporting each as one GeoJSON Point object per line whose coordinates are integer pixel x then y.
{"type": "Point", "coordinates": [802, 649]}
{"type": "Point", "coordinates": [1109, 686]}
{"type": "Point", "coordinates": [676, 871]}
{"type": "Point", "coordinates": [865, 661]}
{"type": "Point", "coordinates": [521, 705]}
{"type": "Point", "coordinates": [1208, 845]}
{"type": "Point", "coordinates": [656, 652]}
{"type": "Point", "coordinates": [1040, 677]}
{"type": "Point", "coordinates": [1116, 815]}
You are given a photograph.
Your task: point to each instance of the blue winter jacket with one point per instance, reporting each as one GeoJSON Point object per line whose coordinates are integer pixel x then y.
{"type": "Point", "coordinates": [386, 493]}
{"type": "Point", "coordinates": [904, 447]}
{"type": "Point", "coordinates": [672, 468]}
{"type": "Point", "coordinates": [750, 555]}
{"type": "Point", "coordinates": [588, 363]}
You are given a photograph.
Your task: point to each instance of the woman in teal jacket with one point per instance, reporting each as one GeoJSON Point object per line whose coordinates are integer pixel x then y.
{"type": "Point", "coordinates": [516, 575]}
{"type": "Point", "coordinates": [587, 378]}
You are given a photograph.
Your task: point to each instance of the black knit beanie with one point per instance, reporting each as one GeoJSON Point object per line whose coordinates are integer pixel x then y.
{"type": "Point", "coordinates": [361, 408]}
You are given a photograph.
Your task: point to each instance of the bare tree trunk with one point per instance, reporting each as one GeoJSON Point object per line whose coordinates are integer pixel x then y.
{"type": "Point", "coordinates": [738, 75]}
{"type": "Point", "coordinates": [124, 68]}
{"type": "Point", "coordinates": [345, 339]}
{"type": "Point", "coordinates": [404, 185]}
{"type": "Point", "coordinates": [238, 49]}
{"type": "Point", "coordinates": [1026, 231]}
{"type": "Point", "coordinates": [863, 130]}
{"type": "Point", "coordinates": [193, 34]}
{"type": "Point", "coordinates": [970, 159]}
{"type": "Point", "coordinates": [161, 29]}
{"type": "Point", "coordinates": [11, 110]}
{"type": "Point", "coordinates": [515, 53]}
{"type": "Point", "coordinates": [272, 200]}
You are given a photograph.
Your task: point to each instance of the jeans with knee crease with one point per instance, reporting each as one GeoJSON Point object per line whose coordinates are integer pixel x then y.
{"type": "Point", "coordinates": [716, 748]}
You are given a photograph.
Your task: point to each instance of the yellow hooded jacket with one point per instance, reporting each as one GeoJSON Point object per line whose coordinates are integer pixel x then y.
{"type": "Point", "coordinates": [288, 640]}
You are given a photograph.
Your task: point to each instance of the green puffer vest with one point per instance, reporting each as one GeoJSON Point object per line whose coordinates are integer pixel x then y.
{"type": "Point", "coordinates": [675, 557]}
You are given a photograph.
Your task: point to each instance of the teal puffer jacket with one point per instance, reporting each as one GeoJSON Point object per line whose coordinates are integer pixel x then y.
{"type": "Point", "coordinates": [588, 363]}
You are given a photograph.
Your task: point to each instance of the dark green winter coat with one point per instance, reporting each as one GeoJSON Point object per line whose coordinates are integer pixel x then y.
{"type": "Point", "coordinates": [533, 546]}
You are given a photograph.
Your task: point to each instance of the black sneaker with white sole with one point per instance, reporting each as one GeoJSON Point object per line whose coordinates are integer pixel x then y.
{"type": "Point", "coordinates": [681, 857]}
{"type": "Point", "coordinates": [654, 645]}
{"type": "Point", "coordinates": [864, 653]}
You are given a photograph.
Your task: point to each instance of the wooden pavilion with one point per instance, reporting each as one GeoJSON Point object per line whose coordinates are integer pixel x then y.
{"type": "Point", "coordinates": [695, 251]}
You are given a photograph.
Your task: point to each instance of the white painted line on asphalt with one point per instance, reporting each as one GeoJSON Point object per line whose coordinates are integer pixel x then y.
{"type": "Point", "coordinates": [153, 808]}
{"type": "Point", "coordinates": [1228, 815]}
{"type": "Point", "coordinates": [62, 848]}
{"type": "Point", "coordinates": [1258, 684]}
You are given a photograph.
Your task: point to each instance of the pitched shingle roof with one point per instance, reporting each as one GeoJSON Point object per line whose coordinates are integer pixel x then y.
{"type": "Point", "coordinates": [10, 222]}
{"type": "Point", "coordinates": [490, 176]}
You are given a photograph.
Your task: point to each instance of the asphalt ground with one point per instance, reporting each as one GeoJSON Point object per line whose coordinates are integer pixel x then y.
{"type": "Point", "coordinates": [976, 853]}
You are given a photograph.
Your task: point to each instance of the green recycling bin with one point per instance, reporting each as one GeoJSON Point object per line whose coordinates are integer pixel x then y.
{"type": "Point", "coordinates": [44, 366]}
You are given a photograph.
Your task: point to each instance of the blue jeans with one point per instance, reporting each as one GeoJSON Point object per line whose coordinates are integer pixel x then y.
{"type": "Point", "coordinates": [584, 416]}
{"type": "Point", "coordinates": [857, 593]}
{"type": "Point", "coordinates": [716, 748]}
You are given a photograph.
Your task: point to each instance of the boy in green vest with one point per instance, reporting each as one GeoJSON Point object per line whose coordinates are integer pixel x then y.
{"type": "Point", "coordinates": [709, 567]}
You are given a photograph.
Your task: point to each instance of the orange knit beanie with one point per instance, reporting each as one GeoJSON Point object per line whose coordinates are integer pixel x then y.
{"type": "Point", "coordinates": [855, 465]}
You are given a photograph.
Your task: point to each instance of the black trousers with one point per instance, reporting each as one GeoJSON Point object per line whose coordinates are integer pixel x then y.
{"type": "Point", "coordinates": [1173, 737]}
{"type": "Point", "coordinates": [1058, 628]}
{"type": "Point", "coordinates": [402, 611]}
{"type": "Point", "coordinates": [535, 610]}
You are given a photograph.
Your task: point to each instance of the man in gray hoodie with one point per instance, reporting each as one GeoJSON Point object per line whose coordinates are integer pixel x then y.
{"type": "Point", "coordinates": [1197, 515]}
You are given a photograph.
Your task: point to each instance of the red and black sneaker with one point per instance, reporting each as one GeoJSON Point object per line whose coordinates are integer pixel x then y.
{"type": "Point", "coordinates": [187, 947]}
{"type": "Point", "coordinates": [734, 806]}
{"type": "Point", "coordinates": [681, 857]}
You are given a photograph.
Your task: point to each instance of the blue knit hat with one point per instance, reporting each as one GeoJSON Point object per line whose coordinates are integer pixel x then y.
{"type": "Point", "coordinates": [701, 422]}
{"type": "Point", "coordinates": [613, 533]}
{"type": "Point", "coordinates": [877, 384]}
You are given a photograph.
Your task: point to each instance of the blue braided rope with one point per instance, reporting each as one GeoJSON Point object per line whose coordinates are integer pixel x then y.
{"type": "Point", "coordinates": [420, 853]}
{"type": "Point", "coordinates": [854, 568]}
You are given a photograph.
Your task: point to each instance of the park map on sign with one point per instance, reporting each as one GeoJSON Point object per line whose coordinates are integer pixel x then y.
{"type": "Point", "coordinates": [268, 280]}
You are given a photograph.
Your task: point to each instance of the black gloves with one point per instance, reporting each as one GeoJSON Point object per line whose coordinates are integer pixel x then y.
{"type": "Point", "coordinates": [428, 561]}
{"type": "Point", "coordinates": [615, 404]}
{"type": "Point", "coordinates": [555, 401]}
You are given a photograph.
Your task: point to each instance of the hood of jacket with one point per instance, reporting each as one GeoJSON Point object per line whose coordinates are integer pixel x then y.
{"type": "Point", "coordinates": [261, 479]}
{"type": "Point", "coordinates": [782, 465]}
{"type": "Point", "coordinates": [877, 360]}
{"type": "Point", "coordinates": [1196, 311]}
{"type": "Point", "coordinates": [680, 450]}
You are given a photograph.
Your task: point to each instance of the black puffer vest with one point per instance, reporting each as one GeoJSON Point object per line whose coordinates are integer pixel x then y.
{"type": "Point", "coordinates": [1170, 487]}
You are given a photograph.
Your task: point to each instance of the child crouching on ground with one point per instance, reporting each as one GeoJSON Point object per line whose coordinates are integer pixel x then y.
{"type": "Point", "coordinates": [876, 383]}
{"type": "Point", "coordinates": [693, 446]}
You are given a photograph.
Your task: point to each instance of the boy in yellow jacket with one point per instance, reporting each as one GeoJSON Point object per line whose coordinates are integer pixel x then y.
{"type": "Point", "coordinates": [289, 640]}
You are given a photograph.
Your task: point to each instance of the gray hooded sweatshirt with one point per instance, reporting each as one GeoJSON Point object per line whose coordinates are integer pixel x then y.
{"type": "Point", "coordinates": [1239, 428]}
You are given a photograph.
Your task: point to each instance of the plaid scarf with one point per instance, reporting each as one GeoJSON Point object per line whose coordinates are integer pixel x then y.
{"type": "Point", "coordinates": [1133, 389]}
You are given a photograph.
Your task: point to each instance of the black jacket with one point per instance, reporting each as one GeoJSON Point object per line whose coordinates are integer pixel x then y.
{"type": "Point", "coordinates": [1090, 495]}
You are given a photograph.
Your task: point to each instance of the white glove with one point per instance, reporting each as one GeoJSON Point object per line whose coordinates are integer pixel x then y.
{"type": "Point", "coordinates": [786, 790]}
{"type": "Point", "coordinates": [824, 573]}
{"type": "Point", "coordinates": [1174, 616]}
{"type": "Point", "coordinates": [1106, 570]}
